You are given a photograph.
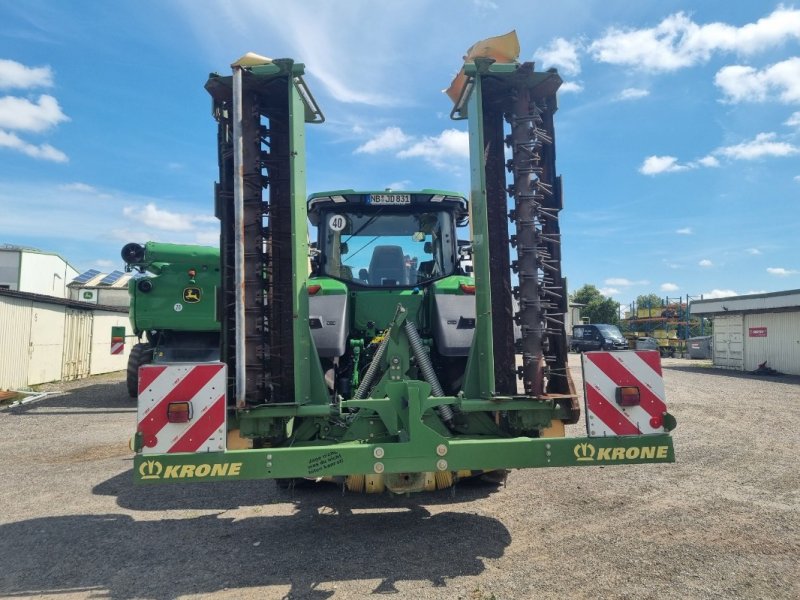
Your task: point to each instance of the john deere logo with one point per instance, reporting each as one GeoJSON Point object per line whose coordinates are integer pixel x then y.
{"type": "Point", "coordinates": [191, 295]}
{"type": "Point", "coordinates": [150, 469]}
{"type": "Point", "coordinates": [584, 451]}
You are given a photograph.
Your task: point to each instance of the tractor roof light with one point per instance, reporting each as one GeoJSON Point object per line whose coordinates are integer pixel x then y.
{"type": "Point", "coordinates": [628, 395]}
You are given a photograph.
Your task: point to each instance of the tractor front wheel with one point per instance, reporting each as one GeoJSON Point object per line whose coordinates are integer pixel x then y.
{"type": "Point", "coordinates": [141, 354]}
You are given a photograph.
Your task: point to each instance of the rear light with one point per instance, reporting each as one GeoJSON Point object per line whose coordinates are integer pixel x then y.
{"type": "Point", "coordinates": [179, 412]}
{"type": "Point", "coordinates": [628, 396]}
{"type": "Point", "coordinates": [313, 289]}
{"type": "Point", "coordinates": [468, 289]}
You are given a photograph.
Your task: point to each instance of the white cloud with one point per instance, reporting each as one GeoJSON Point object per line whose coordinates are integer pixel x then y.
{"type": "Point", "coordinates": [351, 68]}
{"type": "Point", "coordinates": [780, 271]}
{"type": "Point", "coordinates": [17, 75]}
{"type": "Point", "coordinates": [715, 293]}
{"type": "Point", "coordinates": [669, 287]}
{"type": "Point", "coordinates": [633, 94]}
{"type": "Point", "coordinates": [571, 87]}
{"type": "Point", "coordinates": [796, 178]}
{"type": "Point", "coordinates": [684, 231]}
{"type": "Point", "coordinates": [708, 161]}
{"type": "Point", "coordinates": [623, 282]}
{"type": "Point", "coordinates": [793, 120]}
{"type": "Point", "coordinates": [42, 151]}
{"type": "Point", "coordinates": [22, 114]}
{"type": "Point", "coordinates": [753, 251]}
{"type": "Point", "coordinates": [654, 165]}
{"type": "Point", "coordinates": [679, 42]}
{"type": "Point", "coordinates": [439, 150]}
{"type": "Point", "coordinates": [78, 187]}
{"type": "Point", "coordinates": [103, 263]}
{"type": "Point", "coordinates": [403, 184]}
{"type": "Point", "coordinates": [560, 53]}
{"type": "Point", "coordinates": [706, 263]}
{"type": "Point", "coordinates": [153, 216]}
{"type": "Point", "coordinates": [207, 238]}
{"type": "Point", "coordinates": [608, 291]}
{"type": "Point", "coordinates": [618, 281]}
{"type": "Point", "coordinates": [762, 145]}
{"type": "Point", "coordinates": [742, 83]}
{"type": "Point", "coordinates": [390, 138]}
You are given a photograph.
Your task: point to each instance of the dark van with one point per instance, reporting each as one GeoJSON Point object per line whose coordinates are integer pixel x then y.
{"type": "Point", "coordinates": [597, 337]}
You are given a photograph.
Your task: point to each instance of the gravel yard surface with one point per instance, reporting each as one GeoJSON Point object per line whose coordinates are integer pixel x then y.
{"type": "Point", "coordinates": [722, 522]}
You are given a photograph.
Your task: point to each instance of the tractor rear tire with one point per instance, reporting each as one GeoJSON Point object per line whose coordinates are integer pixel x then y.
{"type": "Point", "coordinates": [141, 354]}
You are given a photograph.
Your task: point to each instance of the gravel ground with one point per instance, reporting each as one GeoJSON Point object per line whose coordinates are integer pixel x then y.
{"type": "Point", "coordinates": [723, 522]}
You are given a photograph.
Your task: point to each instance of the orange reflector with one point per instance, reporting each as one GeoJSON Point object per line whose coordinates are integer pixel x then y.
{"type": "Point", "coordinates": [179, 412]}
{"type": "Point", "coordinates": [467, 288]}
{"type": "Point", "coordinates": [313, 289]}
{"type": "Point", "coordinates": [192, 273]}
{"type": "Point", "coordinates": [628, 395]}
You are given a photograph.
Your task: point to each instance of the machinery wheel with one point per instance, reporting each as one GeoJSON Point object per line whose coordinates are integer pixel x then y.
{"type": "Point", "coordinates": [141, 354]}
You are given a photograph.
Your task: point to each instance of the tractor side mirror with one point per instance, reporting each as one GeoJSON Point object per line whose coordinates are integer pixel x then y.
{"type": "Point", "coordinates": [363, 275]}
{"type": "Point", "coordinates": [428, 248]}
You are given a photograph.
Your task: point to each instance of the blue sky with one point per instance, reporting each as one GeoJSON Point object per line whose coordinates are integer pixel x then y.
{"type": "Point", "coordinates": [678, 132]}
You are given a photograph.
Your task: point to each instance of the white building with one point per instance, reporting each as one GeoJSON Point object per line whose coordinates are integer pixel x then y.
{"type": "Point", "coordinates": [30, 270]}
{"type": "Point", "coordinates": [51, 339]}
{"type": "Point", "coordinates": [755, 329]}
{"type": "Point", "coordinates": [100, 288]}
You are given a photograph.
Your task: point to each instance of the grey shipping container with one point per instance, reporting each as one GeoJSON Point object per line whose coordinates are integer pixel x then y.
{"type": "Point", "coordinates": [699, 347]}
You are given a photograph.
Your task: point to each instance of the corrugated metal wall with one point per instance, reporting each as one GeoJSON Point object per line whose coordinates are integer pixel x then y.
{"type": "Point", "coordinates": [780, 348]}
{"type": "Point", "coordinates": [42, 342]}
{"type": "Point", "coordinates": [15, 336]}
{"type": "Point", "coordinates": [102, 359]}
{"type": "Point", "coordinates": [728, 344]}
{"type": "Point", "coordinates": [46, 342]}
{"type": "Point", "coordinates": [77, 344]}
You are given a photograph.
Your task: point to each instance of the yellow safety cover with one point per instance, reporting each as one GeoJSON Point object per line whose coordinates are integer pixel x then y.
{"type": "Point", "coordinates": [502, 48]}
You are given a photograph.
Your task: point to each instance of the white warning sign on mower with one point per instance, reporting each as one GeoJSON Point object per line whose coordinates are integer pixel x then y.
{"type": "Point", "coordinates": [337, 223]}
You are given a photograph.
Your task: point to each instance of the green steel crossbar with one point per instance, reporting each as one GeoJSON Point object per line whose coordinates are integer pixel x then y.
{"type": "Point", "coordinates": [446, 455]}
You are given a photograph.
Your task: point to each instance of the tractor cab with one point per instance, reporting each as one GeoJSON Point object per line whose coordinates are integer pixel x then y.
{"type": "Point", "coordinates": [375, 251]}
{"type": "Point", "coordinates": [387, 239]}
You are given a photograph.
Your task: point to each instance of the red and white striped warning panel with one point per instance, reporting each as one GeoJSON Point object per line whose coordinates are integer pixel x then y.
{"type": "Point", "coordinates": [117, 345]}
{"type": "Point", "coordinates": [182, 408]}
{"type": "Point", "coordinates": [605, 374]}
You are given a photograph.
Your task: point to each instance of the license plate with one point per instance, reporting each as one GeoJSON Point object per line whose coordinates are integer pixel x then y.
{"type": "Point", "coordinates": [389, 199]}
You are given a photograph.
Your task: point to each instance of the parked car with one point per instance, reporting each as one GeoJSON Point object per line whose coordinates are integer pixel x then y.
{"type": "Point", "coordinates": [597, 337]}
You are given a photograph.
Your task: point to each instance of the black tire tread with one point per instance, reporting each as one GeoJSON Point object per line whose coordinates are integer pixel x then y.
{"type": "Point", "coordinates": [140, 355]}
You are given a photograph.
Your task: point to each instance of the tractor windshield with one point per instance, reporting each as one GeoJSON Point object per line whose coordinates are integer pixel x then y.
{"type": "Point", "coordinates": [384, 247]}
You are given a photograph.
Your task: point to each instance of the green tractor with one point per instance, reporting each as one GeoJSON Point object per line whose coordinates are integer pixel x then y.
{"type": "Point", "coordinates": [419, 339]}
{"type": "Point", "coordinates": [172, 305]}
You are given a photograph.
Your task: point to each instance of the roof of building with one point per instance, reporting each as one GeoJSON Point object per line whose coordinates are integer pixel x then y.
{"type": "Point", "coordinates": [752, 302]}
{"type": "Point", "coordinates": [62, 301]}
